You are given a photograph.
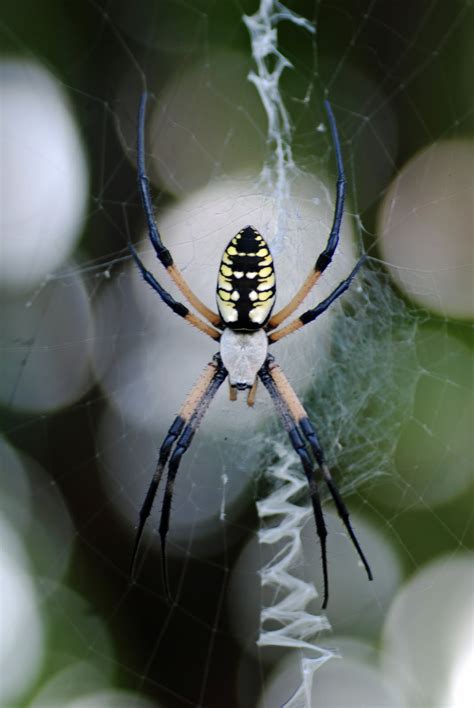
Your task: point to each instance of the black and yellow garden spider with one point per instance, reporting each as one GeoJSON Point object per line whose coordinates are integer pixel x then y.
{"type": "Point", "coordinates": [244, 328]}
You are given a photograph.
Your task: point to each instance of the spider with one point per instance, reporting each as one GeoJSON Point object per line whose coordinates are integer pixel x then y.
{"type": "Point", "coordinates": [244, 327]}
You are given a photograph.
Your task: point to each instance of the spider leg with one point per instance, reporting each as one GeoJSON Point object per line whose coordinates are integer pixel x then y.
{"type": "Point", "coordinates": [161, 251]}
{"type": "Point", "coordinates": [192, 401]}
{"type": "Point", "coordinates": [169, 300]}
{"type": "Point", "coordinates": [182, 445]}
{"type": "Point", "coordinates": [294, 405]}
{"type": "Point", "coordinates": [165, 450]}
{"type": "Point", "coordinates": [310, 434]}
{"type": "Point", "coordinates": [325, 258]}
{"type": "Point", "coordinates": [291, 427]}
{"type": "Point", "coordinates": [312, 314]}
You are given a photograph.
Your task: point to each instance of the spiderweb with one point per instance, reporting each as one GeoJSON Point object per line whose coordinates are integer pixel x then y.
{"type": "Point", "coordinates": [94, 369]}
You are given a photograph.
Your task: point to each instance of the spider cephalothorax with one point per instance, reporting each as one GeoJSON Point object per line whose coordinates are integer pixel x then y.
{"type": "Point", "coordinates": [245, 327]}
{"type": "Point", "coordinates": [243, 355]}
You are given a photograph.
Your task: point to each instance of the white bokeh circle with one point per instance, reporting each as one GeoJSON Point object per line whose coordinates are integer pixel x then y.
{"type": "Point", "coordinates": [44, 189]}
{"type": "Point", "coordinates": [22, 632]}
{"type": "Point", "coordinates": [425, 228]}
{"type": "Point", "coordinates": [429, 628]}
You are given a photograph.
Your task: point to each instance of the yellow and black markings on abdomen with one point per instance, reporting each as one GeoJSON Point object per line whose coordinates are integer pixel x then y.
{"type": "Point", "coordinates": [246, 282]}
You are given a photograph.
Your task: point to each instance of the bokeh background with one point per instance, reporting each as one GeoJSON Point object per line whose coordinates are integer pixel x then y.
{"type": "Point", "coordinates": [93, 370]}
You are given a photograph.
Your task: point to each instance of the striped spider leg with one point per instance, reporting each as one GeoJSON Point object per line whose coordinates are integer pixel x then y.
{"type": "Point", "coordinates": [299, 427]}
{"type": "Point", "coordinates": [180, 434]}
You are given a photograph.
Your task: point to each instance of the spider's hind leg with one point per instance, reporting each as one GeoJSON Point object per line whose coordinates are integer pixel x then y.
{"type": "Point", "coordinates": [291, 427]}
{"type": "Point", "coordinates": [145, 510]}
{"type": "Point", "coordinates": [198, 406]}
{"type": "Point", "coordinates": [309, 432]}
{"type": "Point", "coordinates": [298, 427]}
{"type": "Point", "coordinates": [191, 404]}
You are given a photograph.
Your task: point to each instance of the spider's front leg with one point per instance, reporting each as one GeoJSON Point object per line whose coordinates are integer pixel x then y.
{"type": "Point", "coordinates": [324, 258]}
{"type": "Point", "coordinates": [163, 254]}
{"type": "Point", "coordinates": [309, 432]}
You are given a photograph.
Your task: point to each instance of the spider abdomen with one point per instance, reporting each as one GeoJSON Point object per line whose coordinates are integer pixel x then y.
{"type": "Point", "coordinates": [246, 282]}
